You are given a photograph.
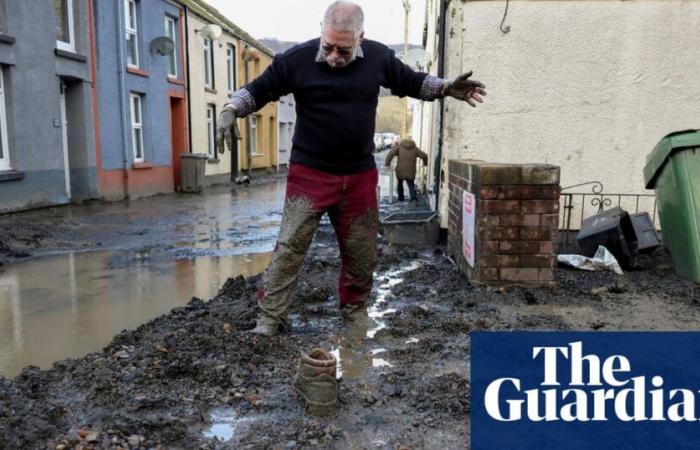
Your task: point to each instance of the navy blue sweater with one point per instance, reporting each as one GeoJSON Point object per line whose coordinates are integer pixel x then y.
{"type": "Point", "coordinates": [336, 108]}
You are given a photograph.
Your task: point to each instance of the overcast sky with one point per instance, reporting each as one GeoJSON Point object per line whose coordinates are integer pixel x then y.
{"type": "Point", "coordinates": [299, 20]}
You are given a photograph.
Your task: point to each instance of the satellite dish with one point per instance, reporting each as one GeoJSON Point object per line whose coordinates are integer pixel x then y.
{"type": "Point", "coordinates": [416, 58]}
{"type": "Point", "coordinates": [211, 31]}
{"type": "Point", "coordinates": [162, 45]}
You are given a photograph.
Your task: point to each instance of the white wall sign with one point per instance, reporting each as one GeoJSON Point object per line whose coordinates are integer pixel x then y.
{"type": "Point", "coordinates": [468, 226]}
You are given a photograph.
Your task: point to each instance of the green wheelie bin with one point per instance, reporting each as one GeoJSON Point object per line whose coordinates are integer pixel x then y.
{"type": "Point", "coordinates": [673, 171]}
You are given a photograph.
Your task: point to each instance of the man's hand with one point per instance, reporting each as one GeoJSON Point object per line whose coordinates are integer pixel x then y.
{"type": "Point", "coordinates": [462, 88]}
{"type": "Point", "coordinates": [226, 130]}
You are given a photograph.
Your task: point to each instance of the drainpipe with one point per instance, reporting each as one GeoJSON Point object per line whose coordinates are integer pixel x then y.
{"type": "Point", "coordinates": [249, 128]}
{"type": "Point", "coordinates": [121, 64]}
{"type": "Point", "coordinates": [442, 32]}
{"type": "Point", "coordinates": [187, 85]}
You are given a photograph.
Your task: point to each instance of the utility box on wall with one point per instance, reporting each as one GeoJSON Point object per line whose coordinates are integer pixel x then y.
{"type": "Point", "coordinates": [503, 221]}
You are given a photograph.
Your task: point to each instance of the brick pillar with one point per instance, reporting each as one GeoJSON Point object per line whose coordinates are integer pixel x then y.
{"type": "Point", "coordinates": [516, 220]}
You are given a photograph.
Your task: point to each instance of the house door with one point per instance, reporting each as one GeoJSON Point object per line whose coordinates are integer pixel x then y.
{"type": "Point", "coordinates": [178, 136]}
{"type": "Point", "coordinates": [64, 138]}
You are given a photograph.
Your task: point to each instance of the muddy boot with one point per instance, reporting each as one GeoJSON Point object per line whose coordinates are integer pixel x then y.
{"type": "Point", "coordinates": [315, 383]}
{"type": "Point", "coordinates": [266, 327]}
{"type": "Point", "coordinates": [354, 312]}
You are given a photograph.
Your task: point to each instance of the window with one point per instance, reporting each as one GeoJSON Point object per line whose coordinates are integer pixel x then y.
{"type": "Point", "coordinates": [3, 27]}
{"type": "Point", "coordinates": [64, 25]}
{"type": "Point", "coordinates": [132, 39]}
{"type": "Point", "coordinates": [254, 134]}
{"type": "Point", "coordinates": [172, 58]}
{"type": "Point", "coordinates": [211, 131]}
{"type": "Point", "coordinates": [4, 151]}
{"type": "Point", "coordinates": [231, 65]}
{"type": "Point", "coordinates": [137, 127]}
{"type": "Point", "coordinates": [208, 64]}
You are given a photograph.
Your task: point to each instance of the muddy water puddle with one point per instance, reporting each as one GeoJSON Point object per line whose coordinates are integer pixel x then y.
{"type": "Point", "coordinates": [351, 353]}
{"type": "Point", "coordinates": [69, 305]}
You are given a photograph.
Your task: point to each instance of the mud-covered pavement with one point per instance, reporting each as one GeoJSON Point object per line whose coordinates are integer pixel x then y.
{"type": "Point", "coordinates": [195, 379]}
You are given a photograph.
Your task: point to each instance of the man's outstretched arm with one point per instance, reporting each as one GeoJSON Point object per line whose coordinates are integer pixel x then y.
{"type": "Point", "coordinates": [268, 87]}
{"type": "Point", "coordinates": [405, 81]}
{"type": "Point", "coordinates": [461, 88]}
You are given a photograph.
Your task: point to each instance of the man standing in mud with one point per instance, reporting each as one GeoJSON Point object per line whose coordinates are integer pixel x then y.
{"type": "Point", "coordinates": [335, 80]}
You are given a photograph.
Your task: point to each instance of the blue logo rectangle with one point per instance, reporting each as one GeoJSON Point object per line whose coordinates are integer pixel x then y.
{"type": "Point", "coordinates": [585, 390]}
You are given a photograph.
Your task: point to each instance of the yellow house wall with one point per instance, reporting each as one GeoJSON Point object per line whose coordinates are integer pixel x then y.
{"type": "Point", "coordinates": [265, 156]}
{"type": "Point", "coordinates": [200, 97]}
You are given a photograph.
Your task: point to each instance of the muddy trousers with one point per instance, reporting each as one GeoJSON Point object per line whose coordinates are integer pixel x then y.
{"type": "Point", "coordinates": [351, 203]}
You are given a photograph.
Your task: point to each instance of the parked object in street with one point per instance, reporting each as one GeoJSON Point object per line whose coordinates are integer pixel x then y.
{"type": "Point", "coordinates": [612, 229]}
{"type": "Point", "coordinates": [193, 171]}
{"type": "Point", "coordinates": [602, 260]}
{"type": "Point", "coordinates": [672, 171]}
{"type": "Point", "coordinates": [378, 142]}
{"type": "Point", "coordinates": [648, 238]}
{"type": "Point", "coordinates": [418, 228]}
{"type": "Point", "coordinates": [388, 139]}
{"type": "Point", "coordinates": [315, 382]}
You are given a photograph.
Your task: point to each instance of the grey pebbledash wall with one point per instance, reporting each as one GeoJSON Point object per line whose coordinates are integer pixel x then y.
{"type": "Point", "coordinates": [34, 71]}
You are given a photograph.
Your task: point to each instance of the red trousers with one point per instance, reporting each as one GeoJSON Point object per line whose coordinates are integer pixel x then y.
{"type": "Point", "coordinates": [351, 203]}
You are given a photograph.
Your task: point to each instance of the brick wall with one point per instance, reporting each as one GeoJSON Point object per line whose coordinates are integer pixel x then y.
{"type": "Point", "coordinates": [516, 222]}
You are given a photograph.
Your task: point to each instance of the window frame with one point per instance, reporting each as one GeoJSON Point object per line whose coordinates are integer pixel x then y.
{"type": "Point", "coordinates": [137, 125]}
{"type": "Point", "coordinates": [209, 63]}
{"type": "Point", "coordinates": [171, 21]}
{"type": "Point", "coordinates": [255, 134]}
{"type": "Point", "coordinates": [68, 46]}
{"type": "Point", "coordinates": [129, 31]}
{"type": "Point", "coordinates": [211, 130]}
{"type": "Point", "coordinates": [231, 67]}
{"type": "Point", "coordinates": [4, 147]}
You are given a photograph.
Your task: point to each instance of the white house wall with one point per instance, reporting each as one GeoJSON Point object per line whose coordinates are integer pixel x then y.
{"type": "Point", "coordinates": [588, 85]}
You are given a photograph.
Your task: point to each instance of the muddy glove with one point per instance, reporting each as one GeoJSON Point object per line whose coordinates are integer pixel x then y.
{"type": "Point", "coordinates": [462, 88]}
{"type": "Point", "coordinates": [226, 130]}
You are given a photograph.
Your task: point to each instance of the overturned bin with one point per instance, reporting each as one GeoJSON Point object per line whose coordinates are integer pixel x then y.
{"type": "Point", "coordinates": [614, 230]}
{"type": "Point", "coordinates": [648, 239]}
{"type": "Point", "coordinates": [672, 170]}
{"type": "Point", "coordinates": [418, 228]}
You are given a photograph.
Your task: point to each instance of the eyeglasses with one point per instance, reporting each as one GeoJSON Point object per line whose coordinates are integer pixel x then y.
{"type": "Point", "coordinates": [343, 51]}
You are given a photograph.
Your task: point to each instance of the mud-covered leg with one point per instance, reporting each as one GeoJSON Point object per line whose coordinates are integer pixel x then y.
{"type": "Point", "coordinates": [356, 223]}
{"type": "Point", "coordinates": [299, 223]}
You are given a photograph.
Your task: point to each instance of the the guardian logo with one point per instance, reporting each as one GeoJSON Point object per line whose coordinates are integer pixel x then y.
{"type": "Point", "coordinates": [578, 387]}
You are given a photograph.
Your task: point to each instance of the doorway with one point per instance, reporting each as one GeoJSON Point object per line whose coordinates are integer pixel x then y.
{"type": "Point", "coordinates": [64, 140]}
{"type": "Point", "coordinates": [178, 136]}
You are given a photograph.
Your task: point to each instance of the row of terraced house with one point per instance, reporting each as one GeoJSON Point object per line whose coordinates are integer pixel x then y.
{"type": "Point", "coordinates": [94, 106]}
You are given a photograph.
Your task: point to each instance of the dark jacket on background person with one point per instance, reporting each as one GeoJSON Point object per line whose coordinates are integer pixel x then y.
{"type": "Point", "coordinates": [408, 153]}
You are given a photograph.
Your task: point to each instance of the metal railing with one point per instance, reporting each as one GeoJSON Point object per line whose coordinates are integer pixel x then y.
{"type": "Point", "coordinates": [578, 205]}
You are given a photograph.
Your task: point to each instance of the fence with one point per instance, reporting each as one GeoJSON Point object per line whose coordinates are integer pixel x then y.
{"type": "Point", "coordinates": [578, 205]}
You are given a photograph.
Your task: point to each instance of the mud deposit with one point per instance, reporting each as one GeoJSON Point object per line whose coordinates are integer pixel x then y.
{"type": "Point", "coordinates": [195, 379]}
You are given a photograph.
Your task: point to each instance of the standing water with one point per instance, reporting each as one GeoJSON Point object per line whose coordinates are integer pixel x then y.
{"type": "Point", "coordinates": [69, 305]}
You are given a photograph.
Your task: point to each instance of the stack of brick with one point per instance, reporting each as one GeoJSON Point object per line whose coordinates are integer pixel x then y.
{"type": "Point", "coordinates": [516, 220]}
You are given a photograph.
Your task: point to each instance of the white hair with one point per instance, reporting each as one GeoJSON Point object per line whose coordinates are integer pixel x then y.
{"type": "Point", "coordinates": [344, 16]}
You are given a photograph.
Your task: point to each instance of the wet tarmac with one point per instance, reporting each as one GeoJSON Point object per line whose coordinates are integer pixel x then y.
{"type": "Point", "coordinates": [104, 268]}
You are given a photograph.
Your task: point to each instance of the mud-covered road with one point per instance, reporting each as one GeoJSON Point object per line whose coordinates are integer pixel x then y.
{"type": "Point", "coordinates": [195, 379]}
